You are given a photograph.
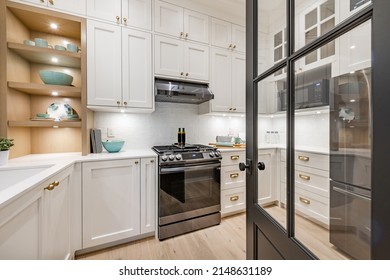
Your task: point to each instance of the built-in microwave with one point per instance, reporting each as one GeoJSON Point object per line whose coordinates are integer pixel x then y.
{"type": "Point", "coordinates": [310, 95]}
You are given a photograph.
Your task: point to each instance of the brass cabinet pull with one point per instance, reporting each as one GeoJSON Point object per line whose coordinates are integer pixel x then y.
{"type": "Point", "coordinates": [234, 46]}
{"type": "Point", "coordinates": [187, 74]}
{"type": "Point", "coordinates": [117, 19]}
{"type": "Point", "coordinates": [181, 34]}
{"type": "Point", "coordinates": [235, 157]}
{"type": "Point", "coordinates": [181, 73]}
{"type": "Point", "coordinates": [51, 2]}
{"type": "Point", "coordinates": [304, 177]}
{"type": "Point", "coordinates": [234, 198]}
{"type": "Point", "coordinates": [304, 200]}
{"type": "Point", "coordinates": [136, 162]}
{"type": "Point", "coordinates": [118, 102]}
{"type": "Point", "coordinates": [303, 158]}
{"type": "Point", "coordinates": [42, 1]}
{"type": "Point", "coordinates": [125, 103]}
{"type": "Point", "coordinates": [230, 46]}
{"type": "Point", "coordinates": [186, 35]}
{"type": "Point", "coordinates": [234, 175]}
{"type": "Point", "coordinates": [52, 186]}
{"type": "Point", "coordinates": [234, 109]}
{"type": "Point", "coordinates": [125, 20]}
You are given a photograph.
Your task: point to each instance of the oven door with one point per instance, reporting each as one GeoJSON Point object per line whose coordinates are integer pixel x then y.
{"type": "Point", "coordinates": [188, 191]}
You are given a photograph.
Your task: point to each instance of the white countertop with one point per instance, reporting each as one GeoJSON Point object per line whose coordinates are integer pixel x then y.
{"type": "Point", "coordinates": [47, 165]}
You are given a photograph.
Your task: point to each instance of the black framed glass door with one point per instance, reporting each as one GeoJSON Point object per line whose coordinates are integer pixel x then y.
{"type": "Point", "coordinates": [311, 94]}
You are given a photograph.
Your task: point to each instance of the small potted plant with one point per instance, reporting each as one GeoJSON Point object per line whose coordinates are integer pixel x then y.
{"type": "Point", "coordinates": [5, 145]}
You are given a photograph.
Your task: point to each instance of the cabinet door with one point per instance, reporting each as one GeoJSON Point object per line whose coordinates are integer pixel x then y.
{"type": "Point", "coordinates": [238, 83]}
{"type": "Point", "coordinates": [40, 2]}
{"type": "Point", "coordinates": [137, 69]}
{"type": "Point", "coordinates": [267, 180]}
{"type": "Point", "coordinates": [73, 6]}
{"type": "Point", "coordinates": [196, 26]}
{"type": "Point", "coordinates": [57, 213]}
{"type": "Point", "coordinates": [168, 19]}
{"type": "Point", "coordinates": [238, 38]}
{"type": "Point", "coordinates": [111, 201]}
{"type": "Point", "coordinates": [196, 61]}
{"type": "Point", "coordinates": [137, 13]}
{"type": "Point", "coordinates": [168, 57]}
{"type": "Point", "coordinates": [148, 195]}
{"type": "Point", "coordinates": [102, 9]}
{"type": "Point", "coordinates": [221, 33]}
{"type": "Point", "coordinates": [104, 64]}
{"type": "Point", "coordinates": [21, 228]}
{"type": "Point", "coordinates": [220, 82]}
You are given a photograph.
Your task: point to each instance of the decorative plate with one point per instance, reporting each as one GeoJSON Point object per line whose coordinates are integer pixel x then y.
{"type": "Point", "coordinates": [59, 110]}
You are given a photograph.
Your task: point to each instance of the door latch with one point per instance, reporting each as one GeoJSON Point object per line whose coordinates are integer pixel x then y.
{"type": "Point", "coordinates": [246, 166]}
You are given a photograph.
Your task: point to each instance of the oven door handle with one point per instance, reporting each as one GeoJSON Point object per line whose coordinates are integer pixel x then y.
{"type": "Point", "coordinates": [167, 170]}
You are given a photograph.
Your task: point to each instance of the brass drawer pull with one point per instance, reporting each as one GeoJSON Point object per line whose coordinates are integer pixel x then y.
{"type": "Point", "coordinates": [234, 198]}
{"type": "Point", "coordinates": [52, 186]}
{"type": "Point", "coordinates": [235, 157]}
{"type": "Point", "coordinates": [303, 158]}
{"type": "Point", "coordinates": [234, 175]}
{"type": "Point", "coordinates": [304, 200]}
{"type": "Point", "coordinates": [304, 177]}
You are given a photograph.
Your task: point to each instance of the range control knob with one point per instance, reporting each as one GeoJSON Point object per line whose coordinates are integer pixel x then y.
{"type": "Point", "coordinates": [211, 154]}
{"type": "Point", "coordinates": [178, 156]}
{"type": "Point", "coordinates": [217, 153]}
{"type": "Point", "coordinates": [164, 158]}
{"type": "Point", "coordinates": [171, 157]}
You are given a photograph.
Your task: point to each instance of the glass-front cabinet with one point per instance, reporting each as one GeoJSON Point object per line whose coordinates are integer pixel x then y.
{"type": "Point", "coordinates": [330, 126]}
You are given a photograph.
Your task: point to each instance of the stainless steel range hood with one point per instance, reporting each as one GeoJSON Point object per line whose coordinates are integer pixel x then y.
{"type": "Point", "coordinates": [182, 92]}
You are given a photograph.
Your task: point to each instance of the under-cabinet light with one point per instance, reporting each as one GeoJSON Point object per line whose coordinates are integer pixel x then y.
{"type": "Point", "coordinates": [54, 59]}
{"type": "Point", "coordinates": [122, 111]}
{"type": "Point", "coordinates": [54, 93]}
{"type": "Point", "coordinates": [53, 26]}
{"type": "Point", "coordinates": [318, 112]}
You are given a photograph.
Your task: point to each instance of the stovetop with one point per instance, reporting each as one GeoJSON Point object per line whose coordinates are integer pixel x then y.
{"type": "Point", "coordinates": [190, 153]}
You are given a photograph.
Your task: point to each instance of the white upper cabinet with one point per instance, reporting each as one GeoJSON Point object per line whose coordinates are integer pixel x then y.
{"type": "Point", "coordinates": [181, 59]}
{"type": "Point", "coordinates": [119, 68]}
{"type": "Point", "coordinates": [181, 23]}
{"type": "Point", "coordinates": [72, 6]}
{"type": "Point", "coordinates": [135, 13]}
{"type": "Point", "coordinates": [227, 35]}
{"type": "Point", "coordinates": [227, 81]}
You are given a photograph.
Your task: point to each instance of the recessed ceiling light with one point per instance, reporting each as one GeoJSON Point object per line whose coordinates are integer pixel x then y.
{"type": "Point", "coordinates": [352, 100]}
{"type": "Point", "coordinates": [53, 26]}
{"type": "Point", "coordinates": [54, 59]}
{"type": "Point", "coordinates": [54, 93]}
{"type": "Point", "coordinates": [318, 112]}
{"type": "Point", "coordinates": [352, 47]}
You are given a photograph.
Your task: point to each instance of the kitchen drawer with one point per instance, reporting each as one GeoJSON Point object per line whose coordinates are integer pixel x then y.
{"type": "Point", "coordinates": [312, 206]}
{"type": "Point", "coordinates": [313, 180]}
{"type": "Point", "coordinates": [319, 161]}
{"type": "Point", "coordinates": [233, 158]}
{"type": "Point", "coordinates": [232, 177]}
{"type": "Point", "coordinates": [233, 200]}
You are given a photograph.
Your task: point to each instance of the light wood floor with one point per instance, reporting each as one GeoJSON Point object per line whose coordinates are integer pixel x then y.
{"type": "Point", "coordinates": [223, 242]}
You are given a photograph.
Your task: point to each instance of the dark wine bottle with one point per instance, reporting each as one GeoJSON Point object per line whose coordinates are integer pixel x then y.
{"type": "Point", "coordinates": [179, 137]}
{"type": "Point", "coordinates": [183, 137]}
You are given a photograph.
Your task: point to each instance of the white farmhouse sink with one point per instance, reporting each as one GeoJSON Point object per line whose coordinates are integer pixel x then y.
{"type": "Point", "coordinates": [13, 175]}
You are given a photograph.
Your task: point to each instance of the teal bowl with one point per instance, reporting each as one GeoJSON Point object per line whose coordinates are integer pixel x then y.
{"type": "Point", "coordinates": [55, 78]}
{"type": "Point", "coordinates": [113, 146]}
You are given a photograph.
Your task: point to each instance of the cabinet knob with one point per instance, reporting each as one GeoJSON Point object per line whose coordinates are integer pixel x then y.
{"type": "Point", "coordinates": [181, 73]}
{"type": "Point", "coordinates": [51, 2]}
{"type": "Point", "coordinates": [230, 46]}
{"type": "Point", "coordinates": [152, 161]}
{"type": "Point", "coordinates": [181, 34]}
{"type": "Point", "coordinates": [42, 1]}
{"type": "Point", "coordinates": [186, 35]}
{"type": "Point", "coordinates": [125, 103]}
{"type": "Point", "coordinates": [234, 46]}
{"type": "Point", "coordinates": [234, 109]}
{"type": "Point", "coordinates": [118, 103]}
{"type": "Point", "coordinates": [187, 74]}
{"type": "Point", "coordinates": [125, 20]}
{"type": "Point", "coordinates": [234, 198]}
{"type": "Point", "coordinates": [136, 162]}
{"type": "Point", "coordinates": [117, 19]}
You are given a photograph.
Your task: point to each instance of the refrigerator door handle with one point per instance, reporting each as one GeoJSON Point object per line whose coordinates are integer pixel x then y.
{"type": "Point", "coordinates": [350, 193]}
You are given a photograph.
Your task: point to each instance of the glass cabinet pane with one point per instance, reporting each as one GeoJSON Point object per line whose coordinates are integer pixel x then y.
{"type": "Point", "coordinates": [271, 33]}
{"type": "Point", "coordinates": [327, 9]}
{"type": "Point", "coordinates": [333, 148]}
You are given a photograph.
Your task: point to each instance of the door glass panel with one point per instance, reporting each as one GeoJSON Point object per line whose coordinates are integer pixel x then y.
{"type": "Point", "coordinates": [322, 15]}
{"type": "Point", "coordinates": [271, 192]}
{"type": "Point", "coordinates": [272, 36]}
{"type": "Point", "coordinates": [333, 148]}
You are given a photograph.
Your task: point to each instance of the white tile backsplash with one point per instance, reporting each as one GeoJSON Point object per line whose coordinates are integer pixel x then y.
{"type": "Point", "coordinates": [160, 128]}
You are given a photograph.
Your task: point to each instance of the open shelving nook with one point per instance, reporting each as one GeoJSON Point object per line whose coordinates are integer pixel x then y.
{"type": "Point", "coordinates": [23, 95]}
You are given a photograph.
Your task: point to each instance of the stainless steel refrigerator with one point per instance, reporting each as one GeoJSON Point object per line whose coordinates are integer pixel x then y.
{"type": "Point", "coordinates": [350, 164]}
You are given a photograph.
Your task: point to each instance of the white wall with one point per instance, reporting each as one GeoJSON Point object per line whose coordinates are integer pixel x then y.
{"type": "Point", "coordinates": [160, 127]}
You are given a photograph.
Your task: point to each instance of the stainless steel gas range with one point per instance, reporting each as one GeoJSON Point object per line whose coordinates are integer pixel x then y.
{"type": "Point", "coordinates": [188, 188]}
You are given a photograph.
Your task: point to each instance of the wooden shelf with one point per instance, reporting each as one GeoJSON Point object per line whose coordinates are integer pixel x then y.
{"type": "Point", "coordinates": [42, 89]}
{"type": "Point", "coordinates": [45, 55]}
{"type": "Point", "coordinates": [40, 123]}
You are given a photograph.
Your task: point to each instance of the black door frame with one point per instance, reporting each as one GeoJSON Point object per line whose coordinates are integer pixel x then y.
{"type": "Point", "coordinates": [282, 240]}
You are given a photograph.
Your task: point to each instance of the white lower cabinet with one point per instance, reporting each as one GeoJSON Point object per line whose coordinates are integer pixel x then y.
{"type": "Point", "coordinates": [38, 224]}
{"type": "Point", "coordinates": [268, 178]}
{"type": "Point", "coordinates": [117, 203]}
{"type": "Point", "coordinates": [232, 183]}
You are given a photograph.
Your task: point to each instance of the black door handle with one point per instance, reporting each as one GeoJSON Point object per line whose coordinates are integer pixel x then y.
{"type": "Point", "coordinates": [261, 165]}
{"type": "Point", "coordinates": [243, 166]}
{"type": "Point", "coordinates": [246, 166]}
